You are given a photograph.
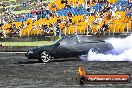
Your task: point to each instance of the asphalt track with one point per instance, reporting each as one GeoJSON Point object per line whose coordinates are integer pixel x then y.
{"type": "Point", "coordinates": [18, 72]}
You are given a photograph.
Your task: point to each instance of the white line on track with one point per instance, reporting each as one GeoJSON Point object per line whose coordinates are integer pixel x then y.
{"type": "Point", "coordinates": [11, 52]}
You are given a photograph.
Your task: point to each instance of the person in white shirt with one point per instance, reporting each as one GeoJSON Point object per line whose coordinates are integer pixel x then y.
{"type": "Point", "coordinates": [118, 16]}
{"type": "Point", "coordinates": [113, 13]}
{"type": "Point", "coordinates": [115, 8]}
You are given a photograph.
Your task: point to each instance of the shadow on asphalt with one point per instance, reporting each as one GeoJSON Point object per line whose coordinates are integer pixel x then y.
{"type": "Point", "coordinates": [27, 62]}
{"type": "Point", "coordinates": [52, 61]}
{"type": "Point", "coordinates": [65, 60]}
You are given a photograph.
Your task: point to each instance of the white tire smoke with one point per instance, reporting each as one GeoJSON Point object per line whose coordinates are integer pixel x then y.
{"type": "Point", "coordinates": [122, 51]}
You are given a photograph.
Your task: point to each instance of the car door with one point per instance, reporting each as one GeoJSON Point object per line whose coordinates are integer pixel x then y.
{"type": "Point", "coordinates": [81, 48]}
{"type": "Point", "coordinates": [64, 49]}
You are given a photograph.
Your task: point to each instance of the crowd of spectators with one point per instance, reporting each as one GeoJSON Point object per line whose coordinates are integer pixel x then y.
{"type": "Point", "coordinates": [46, 12]}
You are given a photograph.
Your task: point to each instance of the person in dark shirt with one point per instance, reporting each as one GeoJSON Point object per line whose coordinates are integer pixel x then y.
{"type": "Point", "coordinates": [69, 14]}
{"type": "Point", "coordinates": [105, 26]}
{"type": "Point", "coordinates": [57, 30]}
{"type": "Point", "coordinates": [44, 27]}
{"type": "Point", "coordinates": [103, 29]}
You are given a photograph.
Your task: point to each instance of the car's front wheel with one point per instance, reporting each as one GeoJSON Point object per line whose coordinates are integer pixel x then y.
{"type": "Point", "coordinates": [45, 57]}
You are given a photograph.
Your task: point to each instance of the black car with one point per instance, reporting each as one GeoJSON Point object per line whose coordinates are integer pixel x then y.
{"type": "Point", "coordinates": [68, 46]}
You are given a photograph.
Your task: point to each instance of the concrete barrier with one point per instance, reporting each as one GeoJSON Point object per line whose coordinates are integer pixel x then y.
{"type": "Point", "coordinates": [14, 48]}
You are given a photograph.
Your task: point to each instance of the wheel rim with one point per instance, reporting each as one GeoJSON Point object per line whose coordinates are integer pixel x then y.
{"type": "Point", "coordinates": [45, 56]}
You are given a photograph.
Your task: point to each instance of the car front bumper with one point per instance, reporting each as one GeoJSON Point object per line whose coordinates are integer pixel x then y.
{"type": "Point", "coordinates": [31, 55]}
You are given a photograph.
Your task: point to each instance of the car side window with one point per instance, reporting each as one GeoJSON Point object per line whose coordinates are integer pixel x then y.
{"type": "Point", "coordinates": [70, 40]}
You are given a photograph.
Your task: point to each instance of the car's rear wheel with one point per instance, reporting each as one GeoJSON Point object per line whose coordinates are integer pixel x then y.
{"type": "Point", "coordinates": [45, 57]}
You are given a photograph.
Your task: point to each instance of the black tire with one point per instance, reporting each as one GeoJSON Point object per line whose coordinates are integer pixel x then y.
{"type": "Point", "coordinates": [45, 57]}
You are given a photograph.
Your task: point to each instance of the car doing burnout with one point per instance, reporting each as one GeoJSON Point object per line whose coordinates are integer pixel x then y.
{"type": "Point", "coordinates": [68, 46]}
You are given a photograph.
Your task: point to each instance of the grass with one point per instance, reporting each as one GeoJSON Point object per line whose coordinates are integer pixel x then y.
{"type": "Point", "coordinates": [7, 0]}
{"type": "Point", "coordinates": [36, 43]}
{"type": "Point", "coordinates": [12, 0]}
{"type": "Point", "coordinates": [13, 6]}
{"type": "Point", "coordinates": [1, 7]}
{"type": "Point", "coordinates": [46, 1]}
{"type": "Point", "coordinates": [22, 11]}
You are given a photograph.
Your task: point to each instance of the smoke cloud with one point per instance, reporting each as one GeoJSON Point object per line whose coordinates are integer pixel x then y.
{"type": "Point", "coordinates": [122, 51]}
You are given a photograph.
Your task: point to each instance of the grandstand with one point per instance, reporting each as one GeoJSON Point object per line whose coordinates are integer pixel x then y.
{"type": "Point", "coordinates": [66, 17]}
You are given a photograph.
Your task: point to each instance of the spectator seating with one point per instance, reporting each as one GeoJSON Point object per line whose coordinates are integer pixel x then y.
{"type": "Point", "coordinates": [79, 23]}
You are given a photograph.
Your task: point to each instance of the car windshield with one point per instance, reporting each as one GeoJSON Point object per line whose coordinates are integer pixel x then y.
{"type": "Point", "coordinates": [76, 39]}
{"type": "Point", "coordinates": [69, 40]}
